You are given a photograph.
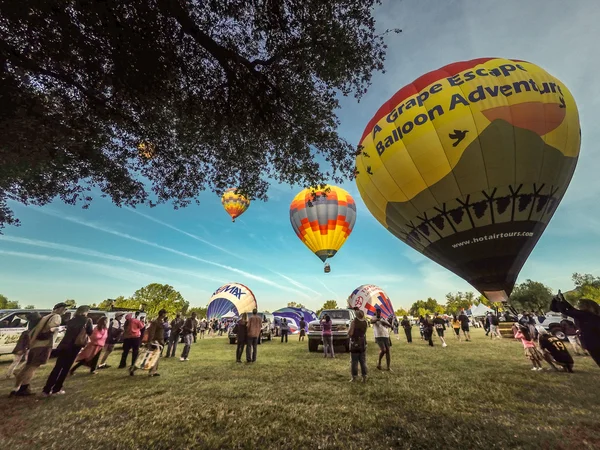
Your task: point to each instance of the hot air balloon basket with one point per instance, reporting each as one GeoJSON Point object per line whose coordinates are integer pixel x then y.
{"type": "Point", "coordinates": [327, 269]}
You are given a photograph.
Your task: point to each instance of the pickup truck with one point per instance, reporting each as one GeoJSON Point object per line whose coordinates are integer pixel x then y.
{"type": "Point", "coordinates": [340, 327]}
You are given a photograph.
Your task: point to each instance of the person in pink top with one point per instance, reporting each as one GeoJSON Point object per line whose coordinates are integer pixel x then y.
{"type": "Point", "coordinates": [327, 336]}
{"type": "Point", "coordinates": [522, 332]}
{"type": "Point", "coordinates": [131, 339]}
{"type": "Point", "coordinates": [90, 355]}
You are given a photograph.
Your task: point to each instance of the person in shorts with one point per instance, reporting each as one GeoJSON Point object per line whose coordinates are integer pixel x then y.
{"type": "Point", "coordinates": [440, 326]}
{"type": "Point", "coordinates": [464, 324]}
{"type": "Point", "coordinates": [555, 351]}
{"type": "Point", "coordinates": [382, 337]}
{"type": "Point", "coordinates": [302, 329]}
{"type": "Point", "coordinates": [456, 326]}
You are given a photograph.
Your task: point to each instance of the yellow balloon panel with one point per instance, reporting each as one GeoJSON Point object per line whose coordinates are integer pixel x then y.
{"type": "Point", "coordinates": [472, 150]}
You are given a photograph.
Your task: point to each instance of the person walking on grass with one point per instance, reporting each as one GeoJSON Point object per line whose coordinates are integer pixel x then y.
{"type": "Point", "coordinates": [407, 327]}
{"type": "Point", "coordinates": [285, 329]}
{"type": "Point", "coordinates": [131, 339]}
{"type": "Point", "coordinates": [382, 338]}
{"type": "Point", "coordinates": [241, 331]}
{"type": "Point", "coordinates": [22, 348]}
{"type": "Point", "coordinates": [189, 326]}
{"type": "Point", "coordinates": [428, 329]}
{"type": "Point", "coordinates": [395, 326]}
{"type": "Point", "coordinates": [115, 330]}
{"type": "Point", "coordinates": [302, 329]}
{"type": "Point", "coordinates": [76, 337]}
{"type": "Point", "coordinates": [166, 333]}
{"type": "Point", "coordinates": [156, 339]}
{"type": "Point", "coordinates": [522, 332]}
{"type": "Point", "coordinates": [456, 327]}
{"type": "Point", "coordinates": [254, 329]}
{"type": "Point", "coordinates": [358, 346]}
{"type": "Point", "coordinates": [327, 336]}
{"type": "Point", "coordinates": [90, 355]}
{"type": "Point", "coordinates": [202, 327]}
{"type": "Point", "coordinates": [440, 326]}
{"type": "Point", "coordinates": [494, 323]}
{"type": "Point", "coordinates": [555, 351]}
{"type": "Point", "coordinates": [176, 327]}
{"type": "Point", "coordinates": [464, 324]}
{"type": "Point", "coordinates": [40, 347]}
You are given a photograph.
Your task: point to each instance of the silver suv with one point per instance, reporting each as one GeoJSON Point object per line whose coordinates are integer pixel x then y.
{"type": "Point", "coordinates": [340, 326]}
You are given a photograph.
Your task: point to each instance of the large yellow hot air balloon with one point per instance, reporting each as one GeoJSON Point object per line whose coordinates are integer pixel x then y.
{"type": "Point", "coordinates": [468, 163]}
{"type": "Point", "coordinates": [323, 223]}
{"type": "Point", "coordinates": [234, 204]}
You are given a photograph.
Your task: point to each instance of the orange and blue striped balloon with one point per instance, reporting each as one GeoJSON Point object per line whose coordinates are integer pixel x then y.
{"type": "Point", "coordinates": [234, 204]}
{"type": "Point", "coordinates": [323, 223]}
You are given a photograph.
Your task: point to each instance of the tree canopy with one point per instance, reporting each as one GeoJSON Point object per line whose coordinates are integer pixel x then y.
{"type": "Point", "coordinates": [586, 286]}
{"type": "Point", "coordinates": [455, 302]}
{"type": "Point", "coordinates": [5, 303]}
{"type": "Point", "coordinates": [155, 297]}
{"type": "Point", "coordinates": [429, 306]}
{"type": "Point", "coordinates": [329, 304]}
{"type": "Point", "coordinates": [200, 311]}
{"type": "Point", "coordinates": [531, 296]}
{"type": "Point", "coordinates": [151, 101]}
{"type": "Point", "coordinates": [401, 312]}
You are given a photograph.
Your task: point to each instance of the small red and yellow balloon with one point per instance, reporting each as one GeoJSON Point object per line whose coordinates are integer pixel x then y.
{"type": "Point", "coordinates": [235, 204]}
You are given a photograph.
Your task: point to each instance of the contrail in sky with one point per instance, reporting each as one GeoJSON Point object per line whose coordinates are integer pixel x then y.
{"type": "Point", "coordinates": [327, 287]}
{"type": "Point", "coordinates": [96, 254]}
{"type": "Point", "coordinates": [171, 250]}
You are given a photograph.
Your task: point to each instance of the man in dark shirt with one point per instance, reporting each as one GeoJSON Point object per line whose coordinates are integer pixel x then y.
{"type": "Point", "coordinates": [407, 329]}
{"type": "Point", "coordinates": [464, 324]}
{"type": "Point", "coordinates": [302, 329]}
{"type": "Point", "coordinates": [68, 349]}
{"type": "Point", "coordinates": [440, 325]}
{"type": "Point", "coordinates": [189, 326]}
{"type": "Point", "coordinates": [556, 351]}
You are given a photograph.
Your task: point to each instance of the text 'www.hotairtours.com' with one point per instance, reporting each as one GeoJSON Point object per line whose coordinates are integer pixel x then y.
{"type": "Point", "coordinates": [490, 237]}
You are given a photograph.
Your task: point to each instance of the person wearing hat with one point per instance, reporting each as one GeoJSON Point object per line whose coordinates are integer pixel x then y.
{"type": "Point", "coordinates": [115, 331]}
{"type": "Point", "coordinates": [68, 349]}
{"type": "Point", "coordinates": [40, 347]}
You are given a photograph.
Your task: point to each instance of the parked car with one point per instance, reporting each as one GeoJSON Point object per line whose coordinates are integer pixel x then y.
{"type": "Point", "coordinates": [266, 331]}
{"type": "Point", "coordinates": [551, 323]}
{"type": "Point", "coordinates": [340, 327]}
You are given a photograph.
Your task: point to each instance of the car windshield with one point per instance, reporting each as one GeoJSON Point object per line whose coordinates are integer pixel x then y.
{"type": "Point", "coordinates": [340, 314]}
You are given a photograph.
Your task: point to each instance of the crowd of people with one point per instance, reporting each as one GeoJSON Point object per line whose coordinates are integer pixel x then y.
{"type": "Point", "coordinates": [86, 345]}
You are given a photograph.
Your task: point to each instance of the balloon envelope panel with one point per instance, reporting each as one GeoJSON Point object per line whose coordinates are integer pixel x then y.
{"type": "Point", "coordinates": [234, 297]}
{"type": "Point", "coordinates": [323, 223]}
{"type": "Point", "coordinates": [369, 298]}
{"type": "Point", "coordinates": [468, 163]}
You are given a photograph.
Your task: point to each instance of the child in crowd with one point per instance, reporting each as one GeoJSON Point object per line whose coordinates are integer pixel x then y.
{"type": "Point", "coordinates": [522, 332]}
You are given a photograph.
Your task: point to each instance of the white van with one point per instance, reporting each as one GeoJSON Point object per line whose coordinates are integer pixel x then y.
{"type": "Point", "coordinates": [14, 321]}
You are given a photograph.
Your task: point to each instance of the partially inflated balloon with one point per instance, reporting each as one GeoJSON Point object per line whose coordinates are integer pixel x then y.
{"type": "Point", "coordinates": [369, 298]}
{"type": "Point", "coordinates": [234, 297]}
{"type": "Point", "coordinates": [468, 163]}
{"type": "Point", "coordinates": [323, 223]}
{"type": "Point", "coordinates": [234, 204]}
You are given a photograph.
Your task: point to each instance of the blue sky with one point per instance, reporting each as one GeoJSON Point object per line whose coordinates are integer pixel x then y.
{"type": "Point", "coordinates": [66, 252]}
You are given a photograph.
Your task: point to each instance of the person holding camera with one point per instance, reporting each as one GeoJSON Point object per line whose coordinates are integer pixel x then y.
{"type": "Point", "coordinates": [587, 320]}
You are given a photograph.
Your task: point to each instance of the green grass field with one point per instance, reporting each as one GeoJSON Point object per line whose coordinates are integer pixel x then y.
{"type": "Point", "coordinates": [478, 394]}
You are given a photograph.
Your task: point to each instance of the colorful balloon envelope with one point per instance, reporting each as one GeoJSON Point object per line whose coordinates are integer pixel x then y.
{"type": "Point", "coordinates": [295, 314]}
{"type": "Point", "coordinates": [468, 164]}
{"type": "Point", "coordinates": [369, 298]}
{"type": "Point", "coordinates": [234, 204]}
{"type": "Point", "coordinates": [234, 297]}
{"type": "Point", "coordinates": [323, 223]}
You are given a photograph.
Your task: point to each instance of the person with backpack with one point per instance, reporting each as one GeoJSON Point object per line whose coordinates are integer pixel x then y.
{"type": "Point", "coordinates": [79, 328]}
{"type": "Point", "coordinates": [358, 346]}
{"type": "Point", "coordinates": [115, 331]}
{"type": "Point", "coordinates": [464, 324]}
{"type": "Point", "coordinates": [132, 338]}
{"type": "Point", "coordinates": [494, 323]}
{"type": "Point", "coordinates": [40, 347]}
{"type": "Point", "coordinates": [382, 338]}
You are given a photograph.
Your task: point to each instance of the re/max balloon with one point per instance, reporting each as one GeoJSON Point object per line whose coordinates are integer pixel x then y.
{"type": "Point", "coordinates": [235, 204]}
{"type": "Point", "coordinates": [468, 164]}
{"type": "Point", "coordinates": [233, 297]}
{"type": "Point", "coordinates": [369, 298]}
{"type": "Point", "coordinates": [323, 223]}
